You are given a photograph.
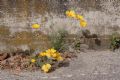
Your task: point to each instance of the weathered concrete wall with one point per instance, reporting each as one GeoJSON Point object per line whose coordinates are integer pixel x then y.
{"type": "Point", "coordinates": [103, 16]}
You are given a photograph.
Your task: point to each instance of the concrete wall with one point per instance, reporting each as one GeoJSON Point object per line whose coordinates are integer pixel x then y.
{"type": "Point", "coordinates": [103, 16]}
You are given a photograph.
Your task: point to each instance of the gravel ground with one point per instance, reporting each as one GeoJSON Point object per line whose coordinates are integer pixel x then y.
{"type": "Point", "coordinates": [90, 65]}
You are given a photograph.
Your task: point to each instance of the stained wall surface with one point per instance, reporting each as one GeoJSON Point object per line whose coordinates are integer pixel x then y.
{"type": "Point", "coordinates": [103, 17]}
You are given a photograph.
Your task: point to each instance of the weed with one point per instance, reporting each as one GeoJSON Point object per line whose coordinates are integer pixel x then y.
{"type": "Point", "coordinates": [58, 40]}
{"type": "Point", "coordinates": [115, 41]}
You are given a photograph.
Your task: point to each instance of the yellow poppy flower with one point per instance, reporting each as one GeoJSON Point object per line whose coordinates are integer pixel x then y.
{"type": "Point", "coordinates": [46, 67]}
{"type": "Point", "coordinates": [83, 23]}
{"type": "Point", "coordinates": [58, 54]}
{"type": "Point", "coordinates": [59, 58]}
{"type": "Point", "coordinates": [48, 51]}
{"type": "Point", "coordinates": [54, 55]}
{"type": "Point", "coordinates": [79, 17]}
{"type": "Point", "coordinates": [48, 55]}
{"type": "Point", "coordinates": [71, 13]}
{"type": "Point", "coordinates": [35, 26]}
{"type": "Point", "coordinates": [42, 54]}
{"type": "Point", "coordinates": [53, 50]}
{"type": "Point", "coordinates": [33, 60]}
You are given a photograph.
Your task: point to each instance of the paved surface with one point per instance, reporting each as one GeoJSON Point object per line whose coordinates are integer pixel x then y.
{"type": "Point", "coordinates": [90, 65]}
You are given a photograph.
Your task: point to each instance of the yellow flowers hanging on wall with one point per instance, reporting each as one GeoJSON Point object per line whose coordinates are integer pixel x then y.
{"type": "Point", "coordinates": [79, 17]}
{"type": "Point", "coordinates": [72, 14]}
{"type": "Point", "coordinates": [83, 23]}
{"type": "Point", "coordinates": [35, 26]}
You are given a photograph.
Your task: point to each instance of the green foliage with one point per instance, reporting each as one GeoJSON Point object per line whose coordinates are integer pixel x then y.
{"type": "Point", "coordinates": [40, 61]}
{"type": "Point", "coordinates": [115, 41]}
{"type": "Point", "coordinates": [77, 45]}
{"type": "Point", "coordinates": [58, 40]}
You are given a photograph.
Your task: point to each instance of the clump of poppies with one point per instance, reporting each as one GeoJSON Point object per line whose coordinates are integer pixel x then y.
{"type": "Point", "coordinates": [45, 60]}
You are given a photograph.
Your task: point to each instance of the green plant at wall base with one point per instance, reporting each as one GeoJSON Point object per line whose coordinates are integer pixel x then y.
{"type": "Point", "coordinates": [115, 42]}
{"type": "Point", "coordinates": [77, 45]}
{"type": "Point", "coordinates": [58, 40]}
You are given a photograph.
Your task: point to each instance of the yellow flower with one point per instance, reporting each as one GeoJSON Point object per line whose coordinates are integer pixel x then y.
{"type": "Point", "coordinates": [46, 67]}
{"type": "Point", "coordinates": [54, 55]}
{"type": "Point", "coordinates": [42, 54]}
{"type": "Point", "coordinates": [33, 60]}
{"type": "Point", "coordinates": [35, 26]}
{"type": "Point", "coordinates": [71, 13]}
{"type": "Point", "coordinates": [48, 55]}
{"type": "Point", "coordinates": [48, 51]}
{"type": "Point", "coordinates": [83, 23]}
{"type": "Point", "coordinates": [79, 17]}
{"type": "Point", "coordinates": [59, 58]}
{"type": "Point", "coordinates": [53, 50]}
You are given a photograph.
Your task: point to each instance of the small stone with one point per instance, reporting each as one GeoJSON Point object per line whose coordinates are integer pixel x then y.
{"type": "Point", "coordinates": [3, 56]}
